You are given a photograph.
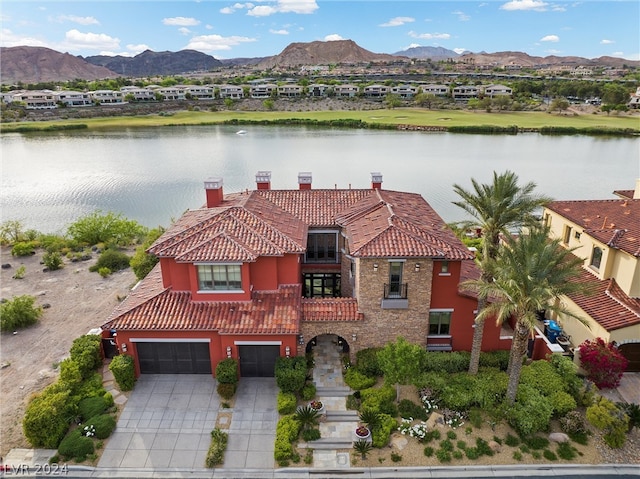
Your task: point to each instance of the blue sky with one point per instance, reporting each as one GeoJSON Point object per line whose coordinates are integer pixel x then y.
{"type": "Point", "coordinates": [228, 29]}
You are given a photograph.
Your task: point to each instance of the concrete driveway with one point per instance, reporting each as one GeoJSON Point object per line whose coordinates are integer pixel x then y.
{"type": "Point", "coordinates": [167, 421]}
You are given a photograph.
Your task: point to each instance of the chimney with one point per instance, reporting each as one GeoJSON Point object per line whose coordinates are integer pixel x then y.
{"type": "Point", "coordinates": [376, 180]}
{"type": "Point", "coordinates": [263, 180]}
{"type": "Point", "coordinates": [213, 189]}
{"type": "Point", "coordinates": [304, 180]}
{"type": "Point", "coordinates": [636, 192]}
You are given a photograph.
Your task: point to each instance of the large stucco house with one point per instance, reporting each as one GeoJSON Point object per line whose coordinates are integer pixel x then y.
{"type": "Point", "coordinates": [259, 274]}
{"type": "Point", "coordinates": [606, 233]}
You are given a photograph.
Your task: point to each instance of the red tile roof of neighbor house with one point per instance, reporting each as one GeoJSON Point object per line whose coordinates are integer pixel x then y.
{"type": "Point", "coordinates": [615, 223]}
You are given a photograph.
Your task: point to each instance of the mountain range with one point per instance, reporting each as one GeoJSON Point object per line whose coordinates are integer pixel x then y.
{"type": "Point", "coordinates": [38, 64]}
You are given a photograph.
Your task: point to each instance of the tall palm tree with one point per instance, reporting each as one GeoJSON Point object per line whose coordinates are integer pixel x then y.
{"type": "Point", "coordinates": [495, 208]}
{"type": "Point", "coordinates": [531, 273]}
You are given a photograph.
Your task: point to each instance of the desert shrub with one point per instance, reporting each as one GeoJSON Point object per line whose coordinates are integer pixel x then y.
{"type": "Point", "coordinates": [20, 272]}
{"type": "Point", "coordinates": [112, 259]}
{"type": "Point", "coordinates": [24, 248]}
{"type": "Point", "coordinates": [312, 434]}
{"type": "Point", "coordinates": [226, 390]}
{"type": "Point", "coordinates": [308, 391]}
{"type": "Point", "coordinates": [367, 362]}
{"type": "Point", "coordinates": [443, 456]}
{"type": "Point", "coordinates": [103, 424]}
{"type": "Point", "coordinates": [453, 362]}
{"type": "Point", "coordinates": [632, 410]}
{"type": "Point", "coordinates": [566, 451]}
{"type": "Point", "coordinates": [374, 397]}
{"type": "Point", "coordinates": [428, 451]}
{"type": "Point", "coordinates": [47, 417]}
{"type": "Point", "coordinates": [52, 260]}
{"type": "Point", "coordinates": [431, 379]}
{"type": "Point", "coordinates": [568, 372]}
{"type": "Point", "coordinates": [381, 434]}
{"type": "Point", "coordinates": [549, 455]}
{"type": "Point", "coordinates": [536, 443]}
{"type": "Point", "coordinates": [91, 407]}
{"type": "Point", "coordinates": [123, 369]}
{"type": "Point", "coordinates": [542, 376]}
{"type": "Point", "coordinates": [142, 262]}
{"type": "Point", "coordinates": [562, 403]}
{"type": "Point", "coordinates": [457, 454]}
{"type": "Point", "coordinates": [472, 453]}
{"type": "Point", "coordinates": [76, 446]}
{"type": "Point", "coordinates": [286, 403]}
{"type": "Point", "coordinates": [104, 272]}
{"type": "Point", "coordinates": [69, 374]}
{"type": "Point", "coordinates": [85, 351]}
{"type": "Point", "coordinates": [217, 448]}
{"type": "Point", "coordinates": [227, 371]}
{"type": "Point", "coordinates": [483, 447]}
{"type": "Point", "coordinates": [573, 423]}
{"type": "Point", "coordinates": [291, 373]}
{"type": "Point", "coordinates": [408, 408]}
{"type": "Point", "coordinates": [603, 363]}
{"type": "Point", "coordinates": [610, 419]}
{"type": "Point", "coordinates": [89, 387]}
{"type": "Point", "coordinates": [446, 444]}
{"type": "Point", "coordinates": [458, 394]}
{"type": "Point", "coordinates": [490, 388]}
{"type": "Point", "coordinates": [511, 440]}
{"type": "Point", "coordinates": [517, 455]}
{"type": "Point", "coordinates": [97, 228]}
{"type": "Point", "coordinates": [531, 412]}
{"type": "Point", "coordinates": [19, 312]}
{"type": "Point", "coordinates": [357, 380]}
{"type": "Point", "coordinates": [495, 359]}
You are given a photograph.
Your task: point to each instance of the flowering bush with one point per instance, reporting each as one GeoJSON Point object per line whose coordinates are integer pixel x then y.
{"type": "Point", "coordinates": [89, 430]}
{"type": "Point", "coordinates": [362, 431]}
{"type": "Point", "coordinates": [452, 418]}
{"type": "Point", "coordinates": [317, 405]}
{"type": "Point", "coordinates": [419, 431]}
{"type": "Point", "coordinates": [603, 362]}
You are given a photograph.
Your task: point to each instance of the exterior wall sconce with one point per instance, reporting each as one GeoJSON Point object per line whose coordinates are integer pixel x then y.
{"type": "Point", "coordinates": [375, 266]}
{"type": "Point", "coordinates": [228, 351]}
{"type": "Point", "coordinates": [124, 347]}
{"type": "Point", "coordinates": [301, 340]}
{"type": "Point", "coordinates": [354, 336]}
{"type": "Point", "coordinates": [417, 267]}
{"type": "Point", "coordinates": [287, 351]}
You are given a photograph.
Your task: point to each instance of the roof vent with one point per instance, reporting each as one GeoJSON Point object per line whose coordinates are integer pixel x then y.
{"type": "Point", "coordinates": [376, 180]}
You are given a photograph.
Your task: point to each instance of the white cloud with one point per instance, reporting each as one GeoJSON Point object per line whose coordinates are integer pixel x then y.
{"type": "Point", "coordinates": [333, 38]}
{"type": "Point", "coordinates": [76, 19]}
{"type": "Point", "coordinates": [430, 36]}
{"type": "Point", "coordinates": [262, 11]}
{"type": "Point", "coordinates": [463, 17]}
{"type": "Point", "coordinates": [236, 6]}
{"type": "Point", "coordinates": [604, 41]}
{"type": "Point", "coordinates": [132, 51]}
{"type": "Point", "coordinates": [536, 5]}
{"type": "Point", "coordinates": [211, 43]}
{"type": "Point", "coordinates": [184, 30]}
{"type": "Point", "coordinates": [279, 32]}
{"type": "Point", "coordinates": [135, 49]}
{"type": "Point", "coordinates": [180, 21]}
{"type": "Point", "coordinates": [553, 51]}
{"type": "Point", "coordinates": [9, 39]}
{"type": "Point", "coordinates": [412, 45]}
{"type": "Point", "coordinates": [76, 40]}
{"type": "Point", "coordinates": [302, 7]}
{"type": "Point", "coordinates": [227, 10]}
{"type": "Point", "coordinates": [460, 51]}
{"type": "Point", "coordinates": [397, 21]}
{"type": "Point", "coordinates": [550, 38]}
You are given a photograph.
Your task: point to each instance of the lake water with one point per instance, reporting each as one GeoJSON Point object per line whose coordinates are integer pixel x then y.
{"type": "Point", "coordinates": [154, 174]}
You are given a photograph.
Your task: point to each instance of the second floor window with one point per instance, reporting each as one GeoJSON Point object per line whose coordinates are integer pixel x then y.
{"type": "Point", "coordinates": [395, 279]}
{"type": "Point", "coordinates": [596, 257]}
{"type": "Point", "coordinates": [322, 247]}
{"type": "Point", "coordinates": [219, 277]}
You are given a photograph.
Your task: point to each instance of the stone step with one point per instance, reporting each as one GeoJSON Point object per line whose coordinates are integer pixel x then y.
{"type": "Point", "coordinates": [331, 443]}
{"type": "Point", "coordinates": [340, 391]}
{"type": "Point", "coordinates": [342, 416]}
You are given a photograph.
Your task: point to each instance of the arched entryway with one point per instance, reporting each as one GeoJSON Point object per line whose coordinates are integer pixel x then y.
{"type": "Point", "coordinates": [339, 342]}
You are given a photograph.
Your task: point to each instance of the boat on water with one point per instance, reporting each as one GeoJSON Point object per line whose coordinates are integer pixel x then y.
{"type": "Point", "coordinates": [241, 132]}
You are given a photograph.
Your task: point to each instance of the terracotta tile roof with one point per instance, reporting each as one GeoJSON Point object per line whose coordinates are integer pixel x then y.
{"type": "Point", "coordinates": [331, 309]}
{"type": "Point", "coordinates": [268, 312]}
{"type": "Point", "coordinates": [624, 193]}
{"type": "Point", "coordinates": [607, 304]}
{"type": "Point", "coordinates": [615, 223]}
{"type": "Point", "coordinates": [142, 292]}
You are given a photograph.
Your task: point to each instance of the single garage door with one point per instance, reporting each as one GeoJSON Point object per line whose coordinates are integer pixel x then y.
{"type": "Point", "coordinates": [631, 351]}
{"type": "Point", "coordinates": [174, 358]}
{"type": "Point", "coordinates": [258, 361]}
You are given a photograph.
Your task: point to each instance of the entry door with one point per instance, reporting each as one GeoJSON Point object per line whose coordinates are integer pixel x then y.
{"type": "Point", "coordinates": [258, 361]}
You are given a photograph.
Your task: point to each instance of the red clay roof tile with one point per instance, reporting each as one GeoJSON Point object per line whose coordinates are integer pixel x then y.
{"type": "Point", "coordinates": [331, 309]}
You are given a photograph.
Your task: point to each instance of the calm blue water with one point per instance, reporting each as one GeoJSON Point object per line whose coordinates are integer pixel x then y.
{"type": "Point", "coordinates": [153, 175]}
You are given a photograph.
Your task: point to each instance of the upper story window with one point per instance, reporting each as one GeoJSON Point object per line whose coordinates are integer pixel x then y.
{"type": "Point", "coordinates": [219, 277]}
{"type": "Point", "coordinates": [440, 323]}
{"type": "Point", "coordinates": [444, 268]}
{"type": "Point", "coordinates": [395, 279]}
{"type": "Point", "coordinates": [596, 257]}
{"type": "Point", "coordinates": [567, 234]}
{"type": "Point", "coordinates": [322, 247]}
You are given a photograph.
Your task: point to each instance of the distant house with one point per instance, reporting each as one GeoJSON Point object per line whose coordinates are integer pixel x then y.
{"type": "Point", "coordinates": [289, 90]}
{"type": "Point", "coordinates": [405, 91]}
{"type": "Point", "coordinates": [376, 91]}
{"type": "Point", "coordinates": [492, 91]}
{"type": "Point", "coordinates": [346, 90]}
{"type": "Point", "coordinates": [74, 98]}
{"type": "Point", "coordinates": [170, 93]}
{"type": "Point", "coordinates": [318, 90]}
{"type": "Point", "coordinates": [465, 92]}
{"type": "Point", "coordinates": [437, 90]}
{"type": "Point", "coordinates": [37, 99]}
{"type": "Point", "coordinates": [139, 94]}
{"type": "Point", "coordinates": [606, 233]}
{"type": "Point", "coordinates": [235, 92]}
{"type": "Point", "coordinates": [260, 274]}
{"type": "Point", "coordinates": [263, 90]}
{"type": "Point", "coordinates": [107, 97]}
{"type": "Point", "coordinates": [199, 92]}
{"type": "Point", "coordinates": [634, 101]}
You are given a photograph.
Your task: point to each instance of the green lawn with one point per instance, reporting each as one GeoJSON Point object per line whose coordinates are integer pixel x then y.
{"type": "Point", "coordinates": [411, 116]}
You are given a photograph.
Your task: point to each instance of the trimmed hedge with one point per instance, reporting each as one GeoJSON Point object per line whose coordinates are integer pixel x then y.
{"type": "Point", "coordinates": [226, 390]}
{"type": "Point", "coordinates": [76, 446]}
{"type": "Point", "coordinates": [104, 424]}
{"type": "Point", "coordinates": [91, 407]}
{"type": "Point", "coordinates": [291, 373]}
{"type": "Point", "coordinates": [357, 380]}
{"type": "Point", "coordinates": [308, 392]}
{"type": "Point", "coordinates": [287, 431]}
{"type": "Point", "coordinates": [367, 362]}
{"type": "Point", "coordinates": [124, 372]}
{"type": "Point", "coordinates": [85, 351]}
{"type": "Point", "coordinates": [47, 417]}
{"type": "Point", "coordinates": [227, 371]}
{"type": "Point", "coordinates": [286, 403]}
{"type": "Point", "coordinates": [215, 454]}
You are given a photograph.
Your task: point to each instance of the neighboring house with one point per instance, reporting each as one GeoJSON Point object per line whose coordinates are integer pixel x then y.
{"type": "Point", "coordinates": [37, 99]}
{"type": "Point", "coordinates": [405, 91]}
{"type": "Point", "coordinates": [263, 90]}
{"type": "Point", "coordinates": [606, 233]}
{"type": "Point", "coordinates": [497, 90]}
{"type": "Point", "coordinates": [138, 94]}
{"type": "Point", "coordinates": [634, 101]}
{"type": "Point", "coordinates": [170, 93]}
{"type": "Point", "coordinates": [260, 274]}
{"type": "Point", "coordinates": [74, 98]}
{"type": "Point", "coordinates": [290, 90]}
{"type": "Point", "coordinates": [318, 90]}
{"type": "Point", "coordinates": [465, 92]}
{"type": "Point", "coordinates": [437, 90]}
{"type": "Point", "coordinates": [346, 91]}
{"type": "Point", "coordinates": [106, 97]}
{"type": "Point", "coordinates": [197, 92]}
{"type": "Point", "coordinates": [376, 91]}
{"type": "Point", "coordinates": [234, 92]}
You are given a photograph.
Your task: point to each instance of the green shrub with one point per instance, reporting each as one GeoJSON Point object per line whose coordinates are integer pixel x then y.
{"type": "Point", "coordinates": [142, 262]}
{"type": "Point", "coordinates": [483, 447]}
{"type": "Point", "coordinates": [381, 434]}
{"type": "Point", "coordinates": [428, 451]}
{"type": "Point", "coordinates": [517, 455]}
{"type": "Point", "coordinates": [357, 380]}
{"type": "Point", "coordinates": [226, 390]}
{"type": "Point", "coordinates": [70, 374]}
{"type": "Point", "coordinates": [291, 373]}
{"type": "Point", "coordinates": [76, 446]}
{"type": "Point", "coordinates": [568, 372]}
{"type": "Point", "coordinates": [312, 434]}
{"type": "Point", "coordinates": [446, 444]}
{"type": "Point", "coordinates": [612, 420]}
{"type": "Point", "coordinates": [457, 454]}
{"type": "Point", "coordinates": [453, 362]}
{"type": "Point", "coordinates": [90, 387]}
{"type": "Point", "coordinates": [562, 403]}
{"type": "Point", "coordinates": [91, 407]}
{"type": "Point", "coordinates": [19, 312]}
{"type": "Point", "coordinates": [374, 397]}
{"type": "Point", "coordinates": [395, 457]}
{"type": "Point", "coordinates": [495, 359]}
{"type": "Point", "coordinates": [531, 413]}
{"type": "Point", "coordinates": [103, 424]}
{"type": "Point", "coordinates": [549, 455]}
{"type": "Point", "coordinates": [536, 442]}
{"type": "Point", "coordinates": [542, 376]}
{"type": "Point", "coordinates": [52, 260]}
{"type": "Point", "coordinates": [408, 408]}
{"type": "Point", "coordinates": [308, 392]}
{"type": "Point", "coordinates": [85, 351]}
{"type": "Point", "coordinates": [112, 259]}
{"type": "Point", "coordinates": [46, 419]}
{"type": "Point", "coordinates": [451, 435]}
{"type": "Point", "coordinates": [215, 454]}
{"type": "Point", "coordinates": [108, 399]}
{"type": "Point", "coordinates": [472, 453]}
{"type": "Point", "coordinates": [287, 431]}
{"type": "Point", "coordinates": [286, 403]}
{"type": "Point", "coordinates": [123, 369]}
{"type": "Point", "coordinates": [490, 388]}
{"type": "Point", "coordinates": [24, 248]}
{"type": "Point", "coordinates": [227, 371]}
{"type": "Point", "coordinates": [307, 417]}
{"type": "Point", "coordinates": [511, 440]}
{"type": "Point", "coordinates": [20, 272]}
{"type": "Point", "coordinates": [566, 451]}
{"type": "Point", "coordinates": [443, 456]}
{"type": "Point", "coordinates": [459, 394]}
{"type": "Point", "coordinates": [367, 362]}
{"type": "Point", "coordinates": [105, 228]}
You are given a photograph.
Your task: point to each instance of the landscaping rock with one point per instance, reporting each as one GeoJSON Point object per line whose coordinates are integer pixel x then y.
{"type": "Point", "coordinates": [558, 437]}
{"type": "Point", "coordinates": [6, 265]}
{"type": "Point", "coordinates": [495, 447]}
{"type": "Point", "coordinates": [46, 306]}
{"type": "Point", "coordinates": [435, 420]}
{"type": "Point", "coordinates": [398, 442]}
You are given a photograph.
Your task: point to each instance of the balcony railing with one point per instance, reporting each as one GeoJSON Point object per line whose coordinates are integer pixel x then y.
{"type": "Point", "coordinates": [395, 296]}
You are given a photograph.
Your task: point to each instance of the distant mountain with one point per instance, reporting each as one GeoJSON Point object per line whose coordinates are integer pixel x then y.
{"type": "Point", "coordinates": [528, 61]}
{"type": "Point", "coordinates": [39, 64]}
{"type": "Point", "coordinates": [433, 53]}
{"type": "Point", "coordinates": [324, 53]}
{"type": "Point", "coordinates": [149, 63]}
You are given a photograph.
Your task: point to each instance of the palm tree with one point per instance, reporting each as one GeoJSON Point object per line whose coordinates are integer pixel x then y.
{"type": "Point", "coordinates": [495, 208]}
{"type": "Point", "coordinates": [531, 273]}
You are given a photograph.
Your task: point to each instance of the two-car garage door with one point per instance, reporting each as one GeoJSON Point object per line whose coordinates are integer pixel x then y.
{"type": "Point", "coordinates": [194, 358]}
